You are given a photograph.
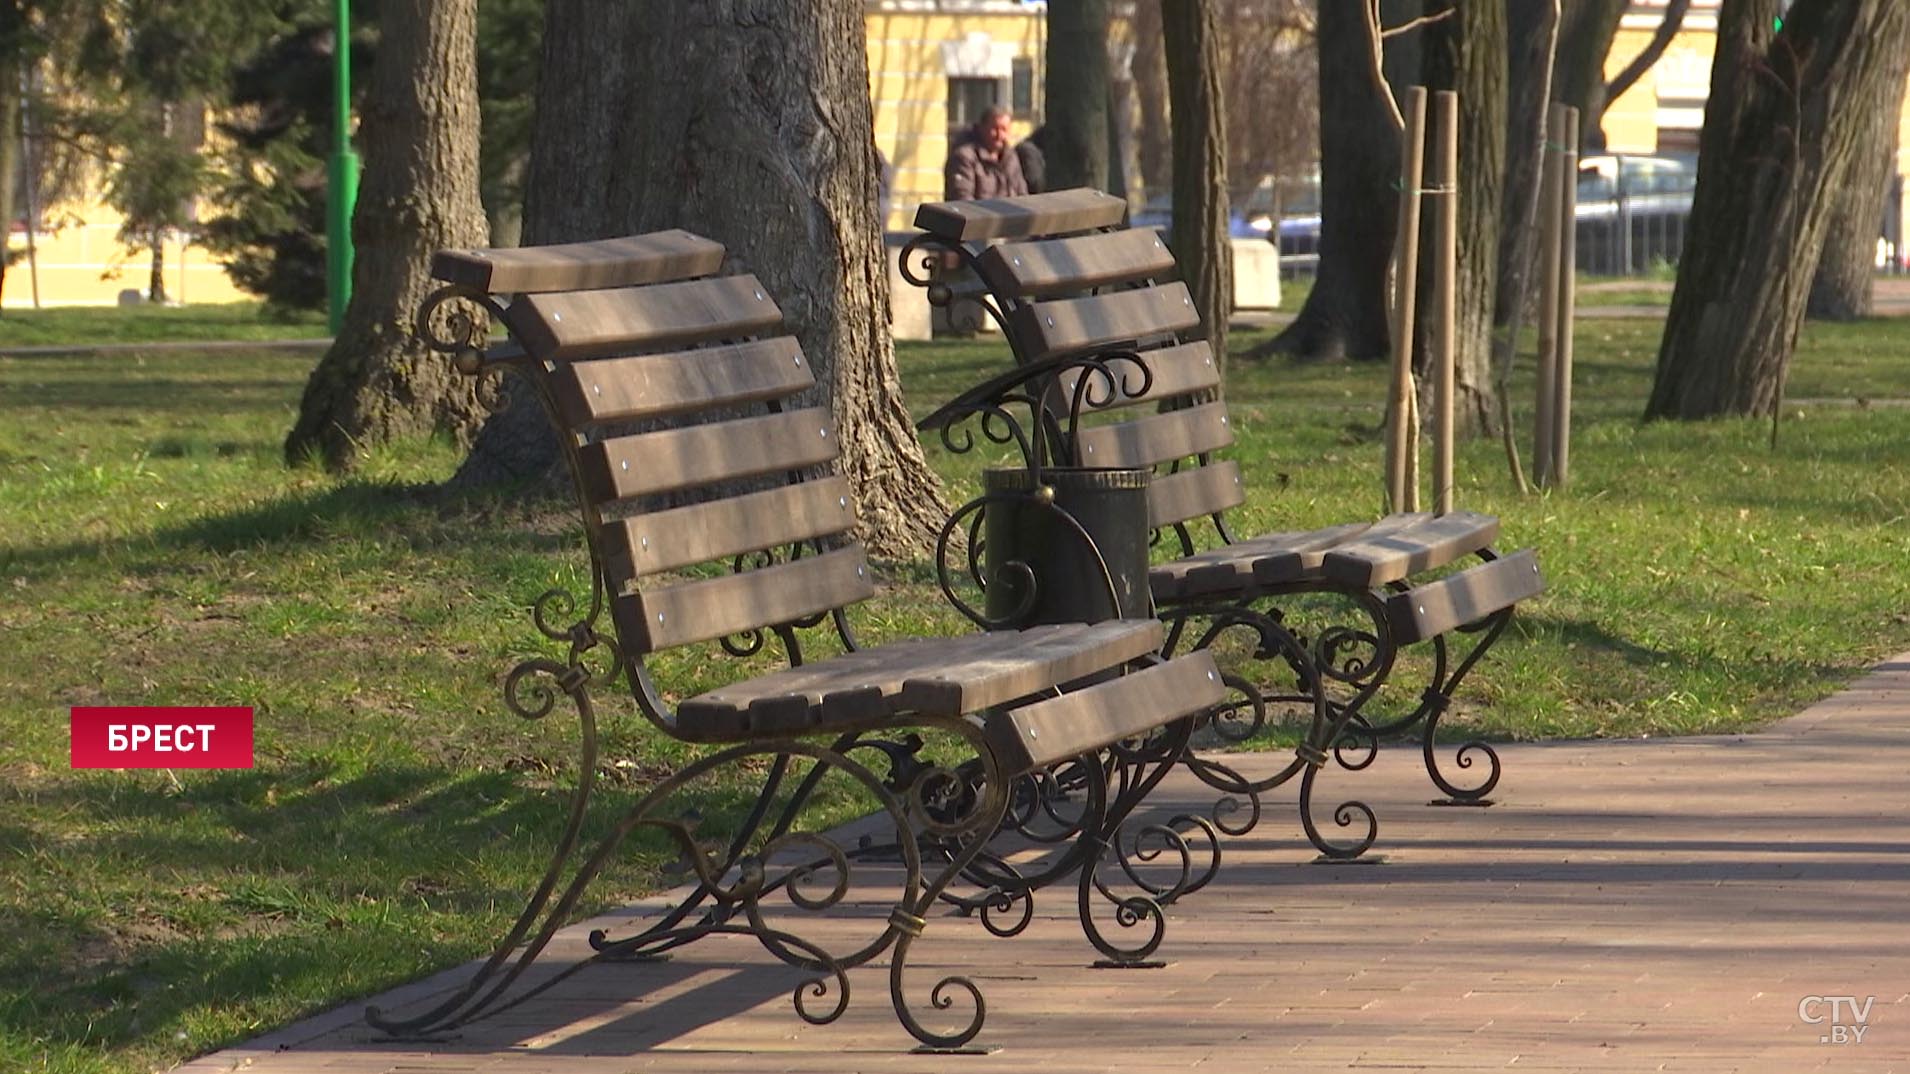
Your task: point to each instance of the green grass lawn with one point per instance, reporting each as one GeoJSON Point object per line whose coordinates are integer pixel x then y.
{"type": "Point", "coordinates": [155, 550]}
{"type": "Point", "coordinates": [92, 325]}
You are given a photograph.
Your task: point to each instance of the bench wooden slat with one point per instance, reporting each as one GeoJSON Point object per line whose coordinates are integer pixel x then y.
{"type": "Point", "coordinates": [1376, 559]}
{"type": "Point", "coordinates": [1194, 492]}
{"type": "Point", "coordinates": [1178, 370]}
{"type": "Point", "coordinates": [596, 324]}
{"type": "Point", "coordinates": [646, 463]}
{"type": "Point", "coordinates": [659, 385]}
{"type": "Point", "coordinates": [1053, 213]}
{"type": "Point", "coordinates": [835, 694]}
{"type": "Point", "coordinates": [1087, 719]}
{"type": "Point", "coordinates": [1241, 565]}
{"type": "Point", "coordinates": [1301, 563]}
{"type": "Point", "coordinates": [1156, 438]}
{"type": "Point", "coordinates": [1429, 610]}
{"type": "Point", "coordinates": [681, 536]}
{"type": "Point", "coordinates": [1071, 325]}
{"type": "Point", "coordinates": [1060, 266]}
{"type": "Point", "coordinates": [1035, 664]}
{"type": "Point", "coordinates": [581, 266]}
{"type": "Point", "coordinates": [687, 612]}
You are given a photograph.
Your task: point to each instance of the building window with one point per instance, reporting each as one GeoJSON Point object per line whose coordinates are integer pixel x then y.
{"type": "Point", "coordinates": [968, 98]}
{"type": "Point", "coordinates": [1022, 91]}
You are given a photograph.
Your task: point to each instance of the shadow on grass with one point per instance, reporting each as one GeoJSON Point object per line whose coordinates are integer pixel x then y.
{"type": "Point", "coordinates": [503, 519]}
{"type": "Point", "coordinates": [273, 891]}
{"type": "Point", "coordinates": [184, 396]}
{"type": "Point", "coordinates": [1590, 636]}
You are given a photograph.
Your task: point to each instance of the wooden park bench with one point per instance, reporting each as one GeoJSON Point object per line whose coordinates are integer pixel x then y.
{"type": "Point", "coordinates": [713, 519]}
{"type": "Point", "coordinates": [1093, 314]}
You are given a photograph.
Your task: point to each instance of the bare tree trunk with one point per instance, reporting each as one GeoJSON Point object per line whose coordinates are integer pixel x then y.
{"type": "Point", "coordinates": [1202, 247]}
{"type": "Point", "coordinates": [1532, 34]}
{"type": "Point", "coordinates": [1842, 288]}
{"type": "Point", "coordinates": [1467, 53]}
{"type": "Point", "coordinates": [1784, 129]}
{"type": "Point", "coordinates": [1586, 31]}
{"type": "Point", "coordinates": [9, 150]}
{"type": "Point", "coordinates": [1077, 94]}
{"type": "Point", "coordinates": [378, 381]}
{"type": "Point", "coordinates": [1155, 148]}
{"type": "Point", "coordinates": [750, 124]}
{"type": "Point", "coordinates": [1345, 313]}
{"type": "Point", "coordinates": [156, 273]}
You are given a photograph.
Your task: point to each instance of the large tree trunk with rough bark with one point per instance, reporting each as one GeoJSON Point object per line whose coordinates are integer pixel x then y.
{"type": "Point", "coordinates": [750, 124]}
{"type": "Point", "coordinates": [1202, 247]}
{"type": "Point", "coordinates": [379, 381]}
{"type": "Point", "coordinates": [1842, 289]}
{"type": "Point", "coordinates": [1345, 313]}
{"type": "Point", "coordinates": [1076, 149]}
{"type": "Point", "coordinates": [1467, 52]}
{"type": "Point", "coordinates": [1784, 129]}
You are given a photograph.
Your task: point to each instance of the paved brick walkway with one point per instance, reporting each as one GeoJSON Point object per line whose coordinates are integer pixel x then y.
{"type": "Point", "coordinates": [1628, 906]}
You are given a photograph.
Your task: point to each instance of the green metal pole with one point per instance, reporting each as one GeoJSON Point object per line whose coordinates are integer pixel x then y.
{"type": "Point", "coordinates": [341, 174]}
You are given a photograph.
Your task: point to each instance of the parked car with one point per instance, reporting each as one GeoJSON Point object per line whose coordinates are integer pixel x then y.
{"type": "Point", "coordinates": [1242, 222]}
{"type": "Point", "coordinates": [1632, 211]}
{"type": "Point", "coordinates": [1631, 215]}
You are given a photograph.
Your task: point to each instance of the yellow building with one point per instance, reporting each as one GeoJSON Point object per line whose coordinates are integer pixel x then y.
{"type": "Point", "coordinates": [75, 256]}
{"type": "Point", "coordinates": [936, 65]}
{"type": "Point", "coordinates": [1663, 110]}
{"type": "Point", "coordinates": [79, 261]}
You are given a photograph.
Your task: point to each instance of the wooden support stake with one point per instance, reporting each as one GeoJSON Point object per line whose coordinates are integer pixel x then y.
{"type": "Point", "coordinates": [1550, 192]}
{"type": "Point", "coordinates": [1446, 106]}
{"type": "Point", "coordinates": [1568, 301]}
{"type": "Point", "coordinates": [1401, 399]}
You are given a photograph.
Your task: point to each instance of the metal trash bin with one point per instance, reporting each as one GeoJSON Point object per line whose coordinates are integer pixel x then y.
{"type": "Point", "coordinates": [1058, 545]}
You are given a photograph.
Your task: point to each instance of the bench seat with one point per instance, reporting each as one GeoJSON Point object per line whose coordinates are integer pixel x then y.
{"type": "Point", "coordinates": [932, 676]}
{"type": "Point", "coordinates": [1364, 554]}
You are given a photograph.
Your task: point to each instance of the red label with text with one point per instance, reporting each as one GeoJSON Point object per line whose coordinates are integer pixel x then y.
{"type": "Point", "coordinates": [162, 736]}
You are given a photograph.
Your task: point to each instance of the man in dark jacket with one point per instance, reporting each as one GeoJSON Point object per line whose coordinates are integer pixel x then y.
{"type": "Point", "coordinates": [981, 164]}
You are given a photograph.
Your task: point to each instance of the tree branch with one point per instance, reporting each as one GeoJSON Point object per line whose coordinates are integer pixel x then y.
{"type": "Point", "coordinates": [1424, 20]}
{"type": "Point", "coordinates": [1377, 69]}
{"type": "Point", "coordinates": [1654, 49]}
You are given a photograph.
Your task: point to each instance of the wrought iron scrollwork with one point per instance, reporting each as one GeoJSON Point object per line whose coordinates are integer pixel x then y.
{"type": "Point", "coordinates": [464, 343]}
{"type": "Point", "coordinates": [1045, 437]}
{"type": "Point", "coordinates": [998, 425]}
{"type": "Point", "coordinates": [1349, 814]}
{"type": "Point", "coordinates": [927, 261]}
{"type": "Point", "coordinates": [1014, 572]}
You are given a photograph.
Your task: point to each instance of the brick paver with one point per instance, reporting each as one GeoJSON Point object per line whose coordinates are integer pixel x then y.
{"type": "Point", "coordinates": [1628, 906]}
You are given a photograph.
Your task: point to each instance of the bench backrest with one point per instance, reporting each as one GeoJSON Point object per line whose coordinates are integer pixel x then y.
{"type": "Point", "coordinates": [1069, 279]}
{"type": "Point", "coordinates": [623, 332]}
